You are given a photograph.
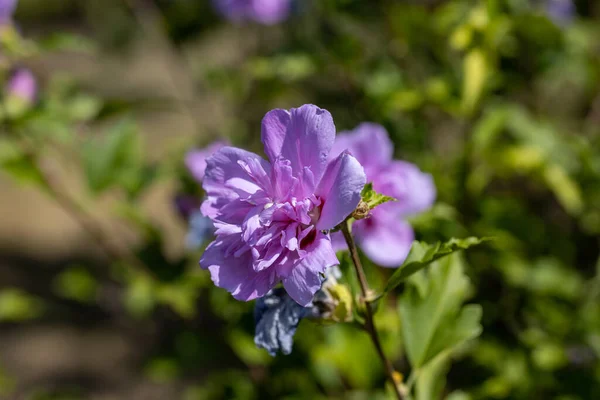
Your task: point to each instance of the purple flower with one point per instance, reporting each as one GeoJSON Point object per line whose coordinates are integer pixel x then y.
{"type": "Point", "coordinates": [22, 84]}
{"type": "Point", "coordinates": [384, 236]}
{"type": "Point", "coordinates": [270, 215]}
{"type": "Point", "coordinates": [561, 12]}
{"type": "Point", "coordinates": [195, 160]}
{"type": "Point", "coordinates": [7, 9]}
{"type": "Point", "coordinates": [266, 12]}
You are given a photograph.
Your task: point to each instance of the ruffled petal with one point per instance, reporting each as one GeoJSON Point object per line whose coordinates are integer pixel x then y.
{"type": "Point", "coordinates": [340, 190]}
{"type": "Point", "coordinates": [232, 173]}
{"type": "Point", "coordinates": [235, 274]}
{"type": "Point", "coordinates": [277, 316]}
{"type": "Point", "coordinates": [305, 278]}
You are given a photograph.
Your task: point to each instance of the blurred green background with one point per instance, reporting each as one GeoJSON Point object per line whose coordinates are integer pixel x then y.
{"type": "Point", "coordinates": [498, 99]}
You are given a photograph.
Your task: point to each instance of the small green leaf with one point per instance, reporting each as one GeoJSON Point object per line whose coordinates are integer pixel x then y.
{"type": "Point", "coordinates": [422, 254]}
{"type": "Point", "coordinates": [77, 284]}
{"type": "Point", "coordinates": [17, 305]}
{"type": "Point", "coordinates": [476, 71]}
{"type": "Point", "coordinates": [23, 170]}
{"type": "Point", "coordinates": [113, 160]}
{"type": "Point", "coordinates": [372, 198]}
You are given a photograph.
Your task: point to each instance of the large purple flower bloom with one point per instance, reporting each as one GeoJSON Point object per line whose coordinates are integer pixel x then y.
{"type": "Point", "coordinates": [270, 215]}
{"type": "Point", "coordinates": [266, 12]}
{"type": "Point", "coordinates": [384, 236]}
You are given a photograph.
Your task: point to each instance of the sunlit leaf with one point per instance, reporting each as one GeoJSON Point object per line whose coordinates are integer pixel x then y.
{"type": "Point", "coordinates": [433, 320]}
{"type": "Point", "coordinates": [422, 254]}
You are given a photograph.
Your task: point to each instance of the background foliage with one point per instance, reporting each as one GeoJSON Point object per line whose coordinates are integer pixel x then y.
{"type": "Point", "coordinates": [498, 100]}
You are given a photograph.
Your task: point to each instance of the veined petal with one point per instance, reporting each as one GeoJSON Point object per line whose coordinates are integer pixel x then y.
{"type": "Point", "coordinates": [304, 280]}
{"type": "Point", "coordinates": [274, 127]}
{"type": "Point", "coordinates": [340, 190]}
{"type": "Point", "coordinates": [308, 140]}
{"type": "Point", "coordinates": [235, 274]}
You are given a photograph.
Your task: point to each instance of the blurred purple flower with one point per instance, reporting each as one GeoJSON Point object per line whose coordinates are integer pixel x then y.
{"type": "Point", "coordinates": [562, 12]}
{"type": "Point", "coordinates": [384, 236]}
{"type": "Point", "coordinates": [7, 9]}
{"type": "Point", "coordinates": [186, 205]}
{"type": "Point", "coordinates": [22, 84]}
{"type": "Point", "coordinates": [270, 215]}
{"type": "Point", "coordinates": [200, 230]}
{"type": "Point", "coordinates": [266, 12]}
{"type": "Point", "coordinates": [195, 160]}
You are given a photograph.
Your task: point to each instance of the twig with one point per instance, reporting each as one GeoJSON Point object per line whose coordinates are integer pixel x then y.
{"type": "Point", "coordinates": [369, 322]}
{"type": "Point", "coordinates": [82, 216]}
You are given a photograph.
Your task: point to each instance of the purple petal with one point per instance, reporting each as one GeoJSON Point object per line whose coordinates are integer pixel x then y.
{"type": "Point", "coordinates": [369, 143]}
{"type": "Point", "coordinates": [384, 239]}
{"type": "Point", "coordinates": [195, 160]}
{"type": "Point", "coordinates": [271, 11]}
{"type": "Point", "coordinates": [340, 190]}
{"type": "Point", "coordinates": [274, 127]}
{"type": "Point", "coordinates": [263, 11]}
{"type": "Point", "coordinates": [23, 85]}
{"type": "Point", "coordinates": [304, 280]}
{"type": "Point", "coordinates": [7, 9]}
{"type": "Point", "coordinates": [338, 243]}
{"type": "Point", "coordinates": [226, 178]}
{"type": "Point", "coordinates": [235, 274]}
{"type": "Point", "coordinates": [414, 189]}
{"type": "Point", "coordinates": [308, 140]}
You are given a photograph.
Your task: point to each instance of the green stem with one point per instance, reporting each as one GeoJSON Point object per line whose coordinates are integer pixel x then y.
{"type": "Point", "coordinates": [369, 322]}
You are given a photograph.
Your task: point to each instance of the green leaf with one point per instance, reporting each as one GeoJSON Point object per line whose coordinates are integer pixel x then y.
{"type": "Point", "coordinates": [422, 254]}
{"type": "Point", "coordinates": [433, 321]}
{"type": "Point", "coordinates": [114, 159]}
{"type": "Point", "coordinates": [372, 198]}
{"type": "Point", "coordinates": [432, 378]}
{"type": "Point", "coordinates": [476, 71]}
{"type": "Point", "coordinates": [68, 42]}
{"type": "Point", "coordinates": [23, 170]}
{"type": "Point", "coordinates": [17, 305]}
{"type": "Point", "coordinates": [77, 284]}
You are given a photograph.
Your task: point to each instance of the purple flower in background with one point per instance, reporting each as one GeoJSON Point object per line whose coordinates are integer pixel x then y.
{"type": "Point", "coordinates": [561, 12]}
{"type": "Point", "coordinates": [384, 236]}
{"type": "Point", "coordinates": [22, 85]}
{"type": "Point", "coordinates": [201, 229]}
{"type": "Point", "coordinates": [186, 205]}
{"type": "Point", "coordinates": [7, 9]}
{"type": "Point", "coordinates": [195, 160]}
{"type": "Point", "coordinates": [269, 215]}
{"type": "Point", "coordinates": [266, 12]}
